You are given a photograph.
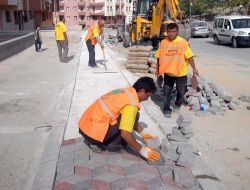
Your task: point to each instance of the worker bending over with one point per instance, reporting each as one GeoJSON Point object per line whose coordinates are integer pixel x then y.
{"type": "Point", "coordinates": [109, 122]}
{"type": "Point", "coordinates": [93, 37]}
{"type": "Point", "coordinates": [173, 58]}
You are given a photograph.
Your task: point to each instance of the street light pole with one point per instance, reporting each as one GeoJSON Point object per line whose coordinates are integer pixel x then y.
{"type": "Point", "coordinates": [190, 9]}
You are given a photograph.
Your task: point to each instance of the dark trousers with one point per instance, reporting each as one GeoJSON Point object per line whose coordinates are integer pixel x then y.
{"type": "Point", "coordinates": [38, 45]}
{"type": "Point", "coordinates": [62, 45]}
{"type": "Point", "coordinates": [181, 85]}
{"type": "Point", "coordinates": [113, 135]}
{"type": "Point", "coordinates": [91, 49]}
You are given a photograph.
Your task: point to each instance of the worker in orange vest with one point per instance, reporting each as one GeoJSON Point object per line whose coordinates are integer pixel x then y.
{"type": "Point", "coordinates": [173, 58]}
{"type": "Point", "coordinates": [109, 122]}
{"type": "Point", "coordinates": [92, 38]}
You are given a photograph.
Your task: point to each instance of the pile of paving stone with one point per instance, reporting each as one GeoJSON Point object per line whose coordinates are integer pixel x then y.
{"type": "Point", "coordinates": [177, 155]}
{"type": "Point", "coordinates": [210, 98]}
{"type": "Point", "coordinates": [137, 59]}
{"type": "Point", "coordinates": [152, 62]}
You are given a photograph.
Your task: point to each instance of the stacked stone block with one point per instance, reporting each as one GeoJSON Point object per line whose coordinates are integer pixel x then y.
{"type": "Point", "coordinates": [152, 62]}
{"type": "Point", "coordinates": [210, 98]}
{"type": "Point", "coordinates": [137, 59]}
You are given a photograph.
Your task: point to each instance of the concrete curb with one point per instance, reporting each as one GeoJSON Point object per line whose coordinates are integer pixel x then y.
{"type": "Point", "coordinates": [16, 45]}
{"type": "Point", "coordinates": [46, 170]}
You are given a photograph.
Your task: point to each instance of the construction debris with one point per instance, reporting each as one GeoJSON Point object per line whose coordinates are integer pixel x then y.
{"type": "Point", "coordinates": [209, 98]}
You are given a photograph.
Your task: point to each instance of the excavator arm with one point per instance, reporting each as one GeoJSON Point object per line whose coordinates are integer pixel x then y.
{"type": "Point", "coordinates": [162, 8]}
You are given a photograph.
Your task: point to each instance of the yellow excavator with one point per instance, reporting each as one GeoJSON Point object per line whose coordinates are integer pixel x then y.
{"type": "Point", "coordinates": [150, 20]}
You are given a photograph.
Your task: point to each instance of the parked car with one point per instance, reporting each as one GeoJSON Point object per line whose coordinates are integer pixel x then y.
{"type": "Point", "coordinates": [232, 29]}
{"type": "Point", "coordinates": [200, 28]}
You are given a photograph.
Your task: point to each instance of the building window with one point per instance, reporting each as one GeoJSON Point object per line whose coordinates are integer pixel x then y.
{"type": "Point", "coordinates": [67, 8]}
{"type": "Point", "coordinates": [126, 8]}
{"type": "Point", "coordinates": [74, 8]}
{"type": "Point", "coordinates": [129, 8]}
{"type": "Point", "coordinates": [25, 16]}
{"type": "Point", "coordinates": [7, 16]}
{"type": "Point", "coordinates": [68, 17]}
{"type": "Point", "coordinates": [75, 17]}
{"type": "Point", "coordinates": [16, 18]}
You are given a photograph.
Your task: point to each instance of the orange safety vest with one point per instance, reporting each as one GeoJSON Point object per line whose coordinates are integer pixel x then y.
{"type": "Point", "coordinates": [172, 56]}
{"type": "Point", "coordinates": [90, 35]}
{"type": "Point", "coordinates": [104, 112]}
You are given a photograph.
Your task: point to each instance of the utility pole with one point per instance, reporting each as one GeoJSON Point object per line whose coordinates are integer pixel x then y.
{"type": "Point", "coordinates": [190, 8]}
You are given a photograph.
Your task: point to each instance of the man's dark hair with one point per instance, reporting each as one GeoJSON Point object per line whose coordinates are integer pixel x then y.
{"type": "Point", "coordinates": [145, 83]}
{"type": "Point", "coordinates": [172, 26]}
{"type": "Point", "coordinates": [61, 18]}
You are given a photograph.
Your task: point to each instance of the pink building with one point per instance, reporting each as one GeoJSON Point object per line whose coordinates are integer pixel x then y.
{"type": "Point", "coordinates": [88, 12]}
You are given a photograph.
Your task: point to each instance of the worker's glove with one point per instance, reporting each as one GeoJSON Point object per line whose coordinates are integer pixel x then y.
{"type": "Point", "coordinates": [149, 154]}
{"type": "Point", "coordinates": [146, 135]}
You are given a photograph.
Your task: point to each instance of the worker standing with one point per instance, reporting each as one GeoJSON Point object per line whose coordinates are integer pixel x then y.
{"type": "Point", "coordinates": [109, 122]}
{"type": "Point", "coordinates": [62, 39]}
{"type": "Point", "coordinates": [173, 58]}
{"type": "Point", "coordinates": [93, 37]}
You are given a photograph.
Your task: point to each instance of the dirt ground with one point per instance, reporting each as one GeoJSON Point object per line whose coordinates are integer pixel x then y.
{"type": "Point", "coordinates": [223, 140]}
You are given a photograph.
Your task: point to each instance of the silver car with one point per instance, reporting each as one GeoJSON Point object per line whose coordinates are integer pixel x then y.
{"type": "Point", "coordinates": [200, 28]}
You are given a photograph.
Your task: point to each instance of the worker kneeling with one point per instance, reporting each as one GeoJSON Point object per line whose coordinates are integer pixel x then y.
{"type": "Point", "coordinates": [109, 122]}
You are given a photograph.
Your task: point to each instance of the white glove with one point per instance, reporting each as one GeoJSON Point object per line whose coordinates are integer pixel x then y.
{"type": "Point", "coordinates": [149, 154]}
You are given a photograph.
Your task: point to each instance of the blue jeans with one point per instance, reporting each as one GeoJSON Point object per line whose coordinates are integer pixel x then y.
{"type": "Point", "coordinates": [38, 45]}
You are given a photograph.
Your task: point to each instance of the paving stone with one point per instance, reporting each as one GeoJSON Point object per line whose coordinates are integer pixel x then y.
{"type": "Point", "coordinates": [186, 159]}
{"type": "Point", "coordinates": [185, 117]}
{"type": "Point", "coordinates": [216, 98]}
{"type": "Point", "coordinates": [172, 155]}
{"type": "Point", "coordinates": [182, 124]}
{"type": "Point", "coordinates": [232, 106]}
{"type": "Point", "coordinates": [81, 146]}
{"type": "Point", "coordinates": [184, 177]}
{"type": "Point", "coordinates": [176, 131]}
{"type": "Point", "coordinates": [170, 187]}
{"type": "Point", "coordinates": [73, 182]}
{"type": "Point", "coordinates": [132, 157]}
{"type": "Point", "coordinates": [223, 109]}
{"type": "Point", "coordinates": [169, 182]}
{"type": "Point", "coordinates": [167, 168]}
{"type": "Point", "coordinates": [144, 181]}
{"type": "Point", "coordinates": [187, 130]}
{"type": "Point", "coordinates": [68, 142]}
{"type": "Point", "coordinates": [164, 145]}
{"type": "Point", "coordinates": [66, 156]}
{"type": "Point", "coordinates": [81, 156]}
{"type": "Point", "coordinates": [245, 98]}
{"type": "Point", "coordinates": [148, 168]}
{"type": "Point", "coordinates": [90, 168]}
{"type": "Point", "coordinates": [185, 147]}
{"type": "Point", "coordinates": [223, 104]}
{"type": "Point", "coordinates": [64, 169]}
{"type": "Point", "coordinates": [109, 181]}
{"type": "Point", "coordinates": [215, 104]}
{"type": "Point", "coordinates": [154, 142]}
{"type": "Point", "coordinates": [98, 157]}
{"type": "Point", "coordinates": [236, 101]}
{"type": "Point", "coordinates": [123, 167]}
{"type": "Point", "coordinates": [177, 138]}
{"type": "Point", "coordinates": [202, 114]}
{"type": "Point", "coordinates": [193, 100]}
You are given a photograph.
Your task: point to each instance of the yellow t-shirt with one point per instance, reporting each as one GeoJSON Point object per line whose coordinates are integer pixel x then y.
{"type": "Point", "coordinates": [128, 116]}
{"type": "Point", "coordinates": [60, 28]}
{"type": "Point", "coordinates": [96, 31]}
{"type": "Point", "coordinates": [188, 54]}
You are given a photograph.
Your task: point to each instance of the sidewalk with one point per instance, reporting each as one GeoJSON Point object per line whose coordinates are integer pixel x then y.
{"type": "Point", "coordinates": [68, 163]}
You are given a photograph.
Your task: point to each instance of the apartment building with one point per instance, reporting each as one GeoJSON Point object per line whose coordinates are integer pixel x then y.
{"type": "Point", "coordinates": [88, 12]}
{"type": "Point", "coordinates": [16, 15]}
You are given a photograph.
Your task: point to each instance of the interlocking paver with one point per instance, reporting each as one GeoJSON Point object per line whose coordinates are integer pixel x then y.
{"type": "Point", "coordinates": [68, 142]}
{"type": "Point", "coordinates": [145, 181]}
{"type": "Point", "coordinates": [184, 177]}
{"type": "Point", "coordinates": [90, 168]}
{"type": "Point", "coordinates": [123, 167]}
{"type": "Point", "coordinates": [109, 181]}
{"type": "Point", "coordinates": [64, 169]}
{"type": "Point", "coordinates": [73, 182]}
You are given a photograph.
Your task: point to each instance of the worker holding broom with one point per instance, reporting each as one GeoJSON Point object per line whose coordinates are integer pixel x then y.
{"type": "Point", "coordinates": [108, 123]}
{"type": "Point", "coordinates": [92, 38]}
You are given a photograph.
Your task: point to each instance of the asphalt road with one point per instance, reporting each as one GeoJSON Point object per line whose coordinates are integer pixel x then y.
{"type": "Point", "coordinates": [224, 54]}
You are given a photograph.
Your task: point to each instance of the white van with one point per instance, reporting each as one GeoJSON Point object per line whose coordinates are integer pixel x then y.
{"type": "Point", "coordinates": [232, 29]}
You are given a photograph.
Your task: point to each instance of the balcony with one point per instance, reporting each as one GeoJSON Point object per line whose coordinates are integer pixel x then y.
{"type": "Point", "coordinates": [81, 2]}
{"type": "Point", "coordinates": [121, 2]}
{"type": "Point", "coordinates": [98, 3]}
{"type": "Point", "coordinates": [96, 13]}
{"type": "Point", "coordinates": [82, 22]}
{"type": "Point", "coordinates": [61, 3]}
{"type": "Point", "coordinates": [81, 12]}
